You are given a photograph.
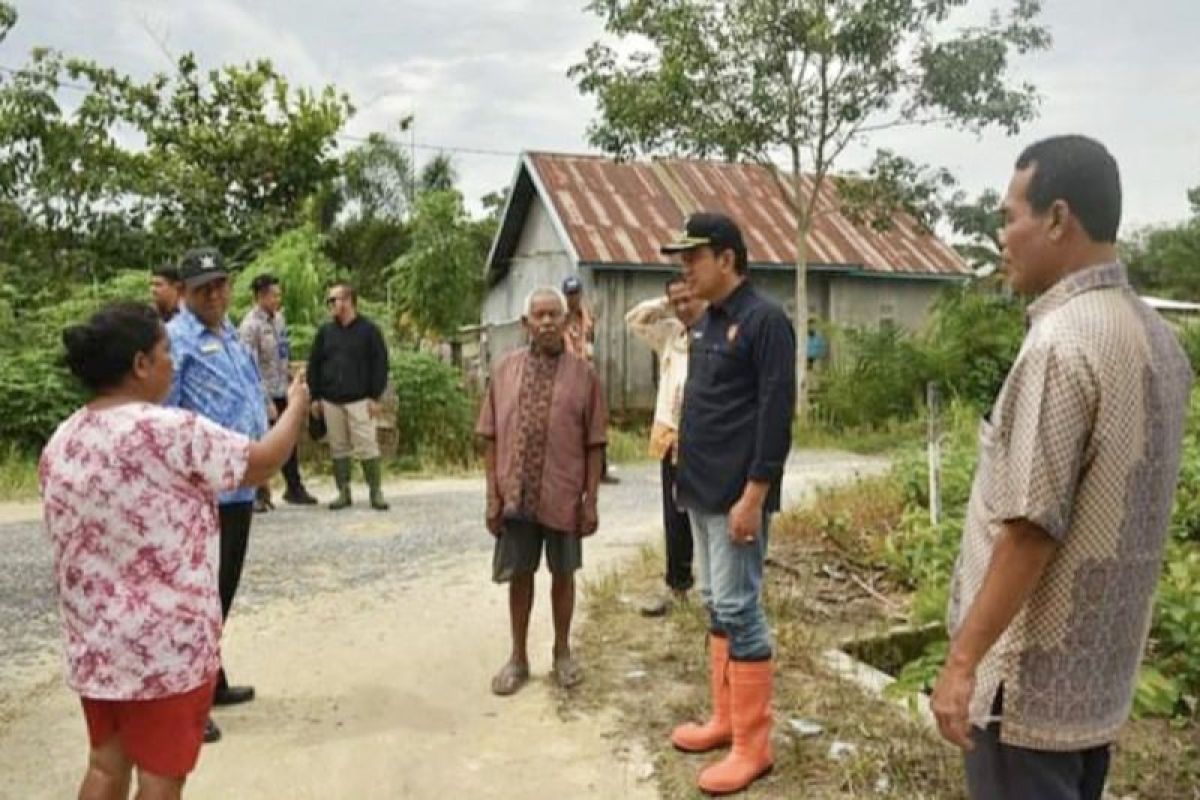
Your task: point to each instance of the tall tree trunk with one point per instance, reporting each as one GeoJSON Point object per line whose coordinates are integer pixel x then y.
{"type": "Point", "coordinates": [803, 223]}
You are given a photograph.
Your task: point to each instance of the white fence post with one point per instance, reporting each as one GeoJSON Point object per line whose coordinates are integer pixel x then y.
{"type": "Point", "coordinates": [934, 437]}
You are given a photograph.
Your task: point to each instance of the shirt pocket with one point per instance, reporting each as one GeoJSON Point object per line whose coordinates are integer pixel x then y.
{"type": "Point", "coordinates": [990, 474]}
{"type": "Point", "coordinates": [729, 361]}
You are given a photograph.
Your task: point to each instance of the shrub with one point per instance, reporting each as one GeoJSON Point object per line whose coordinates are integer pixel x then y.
{"type": "Point", "coordinates": [973, 338]}
{"type": "Point", "coordinates": [436, 420]}
{"type": "Point", "coordinates": [880, 374]}
{"type": "Point", "coordinates": [39, 392]}
{"type": "Point", "coordinates": [304, 271]}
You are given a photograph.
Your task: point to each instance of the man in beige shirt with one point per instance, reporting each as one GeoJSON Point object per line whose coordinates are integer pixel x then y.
{"type": "Point", "coordinates": [663, 323]}
{"type": "Point", "coordinates": [1063, 542]}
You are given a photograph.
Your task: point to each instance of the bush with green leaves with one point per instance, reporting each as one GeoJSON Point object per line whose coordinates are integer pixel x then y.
{"type": "Point", "coordinates": [880, 374]}
{"type": "Point", "coordinates": [921, 556]}
{"type": "Point", "coordinates": [435, 418]}
{"type": "Point", "coordinates": [39, 392]}
{"type": "Point", "coordinates": [297, 259]}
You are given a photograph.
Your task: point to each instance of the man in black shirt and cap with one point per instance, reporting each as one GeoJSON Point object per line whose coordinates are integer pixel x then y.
{"type": "Point", "coordinates": [347, 373]}
{"type": "Point", "coordinates": [734, 437]}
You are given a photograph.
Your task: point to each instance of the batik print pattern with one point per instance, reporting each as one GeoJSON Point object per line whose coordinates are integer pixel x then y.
{"type": "Point", "coordinates": [1084, 441]}
{"type": "Point", "coordinates": [129, 497]}
{"type": "Point", "coordinates": [537, 390]}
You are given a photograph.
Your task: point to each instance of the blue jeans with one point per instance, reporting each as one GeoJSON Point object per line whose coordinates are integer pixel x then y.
{"type": "Point", "coordinates": [731, 585]}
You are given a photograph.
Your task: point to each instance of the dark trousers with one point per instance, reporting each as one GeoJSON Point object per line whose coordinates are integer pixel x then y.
{"type": "Point", "coordinates": [291, 470]}
{"type": "Point", "coordinates": [997, 771]}
{"type": "Point", "coordinates": [235, 536]}
{"type": "Point", "coordinates": [678, 530]}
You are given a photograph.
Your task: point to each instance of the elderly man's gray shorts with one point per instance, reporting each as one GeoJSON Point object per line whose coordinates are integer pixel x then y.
{"type": "Point", "coordinates": [519, 550]}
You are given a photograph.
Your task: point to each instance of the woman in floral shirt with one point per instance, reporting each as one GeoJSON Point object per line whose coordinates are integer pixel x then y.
{"type": "Point", "coordinates": [129, 493]}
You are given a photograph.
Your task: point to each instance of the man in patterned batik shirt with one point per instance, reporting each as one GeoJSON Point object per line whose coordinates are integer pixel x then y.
{"type": "Point", "coordinates": [543, 421]}
{"type": "Point", "coordinates": [264, 332]}
{"type": "Point", "coordinates": [1078, 459]}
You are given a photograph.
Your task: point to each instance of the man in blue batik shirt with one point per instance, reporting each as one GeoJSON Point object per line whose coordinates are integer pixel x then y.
{"type": "Point", "coordinates": [216, 378]}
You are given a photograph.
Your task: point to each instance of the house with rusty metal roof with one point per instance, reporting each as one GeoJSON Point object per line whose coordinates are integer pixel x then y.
{"type": "Point", "coordinates": [603, 221]}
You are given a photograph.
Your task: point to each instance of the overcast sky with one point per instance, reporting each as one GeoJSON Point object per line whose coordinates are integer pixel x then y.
{"type": "Point", "coordinates": [490, 75]}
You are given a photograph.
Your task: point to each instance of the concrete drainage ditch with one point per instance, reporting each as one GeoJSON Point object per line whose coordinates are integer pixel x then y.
{"type": "Point", "coordinates": [872, 662]}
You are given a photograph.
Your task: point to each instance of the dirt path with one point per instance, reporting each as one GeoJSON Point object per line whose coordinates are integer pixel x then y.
{"type": "Point", "coordinates": [371, 639]}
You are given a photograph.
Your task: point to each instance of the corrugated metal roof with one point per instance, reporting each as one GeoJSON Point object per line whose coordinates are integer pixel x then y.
{"type": "Point", "coordinates": [620, 212]}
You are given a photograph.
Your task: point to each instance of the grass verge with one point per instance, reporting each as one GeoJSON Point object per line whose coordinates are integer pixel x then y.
{"type": "Point", "coordinates": [823, 586]}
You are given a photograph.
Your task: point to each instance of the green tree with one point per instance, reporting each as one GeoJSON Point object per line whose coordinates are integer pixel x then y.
{"type": "Point", "coordinates": [437, 283]}
{"type": "Point", "coordinates": [297, 258]}
{"type": "Point", "coordinates": [370, 207]}
{"type": "Point", "coordinates": [1166, 260]}
{"type": "Point", "coordinates": [125, 172]}
{"type": "Point", "coordinates": [438, 174]}
{"type": "Point", "coordinates": [978, 222]}
{"type": "Point", "coordinates": [754, 80]}
{"type": "Point", "coordinates": [377, 179]}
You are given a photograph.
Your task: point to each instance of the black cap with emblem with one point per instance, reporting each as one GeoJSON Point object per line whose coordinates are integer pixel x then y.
{"type": "Point", "coordinates": [709, 229]}
{"type": "Point", "coordinates": [200, 266]}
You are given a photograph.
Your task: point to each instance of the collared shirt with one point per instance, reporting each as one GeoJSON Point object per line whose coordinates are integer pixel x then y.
{"type": "Point", "coordinates": [265, 337]}
{"type": "Point", "coordinates": [575, 425]}
{"type": "Point", "coordinates": [128, 495]}
{"type": "Point", "coordinates": [1084, 442]}
{"type": "Point", "coordinates": [738, 402]}
{"type": "Point", "coordinates": [216, 378]}
{"type": "Point", "coordinates": [654, 322]}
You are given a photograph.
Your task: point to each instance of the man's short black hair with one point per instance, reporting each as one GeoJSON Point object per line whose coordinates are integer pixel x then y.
{"type": "Point", "coordinates": [674, 280]}
{"type": "Point", "coordinates": [168, 272]}
{"type": "Point", "coordinates": [263, 282]}
{"type": "Point", "coordinates": [1083, 174]}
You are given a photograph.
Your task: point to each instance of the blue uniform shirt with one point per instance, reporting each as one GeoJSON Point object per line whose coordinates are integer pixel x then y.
{"type": "Point", "coordinates": [216, 378]}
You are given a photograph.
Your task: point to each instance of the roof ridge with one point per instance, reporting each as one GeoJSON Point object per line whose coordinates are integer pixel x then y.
{"type": "Point", "coordinates": [614, 211]}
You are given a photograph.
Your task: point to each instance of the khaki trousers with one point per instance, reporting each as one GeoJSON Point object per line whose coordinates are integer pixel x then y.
{"type": "Point", "coordinates": [351, 430]}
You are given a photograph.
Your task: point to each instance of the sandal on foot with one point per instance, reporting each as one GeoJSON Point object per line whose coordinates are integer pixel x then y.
{"type": "Point", "coordinates": [567, 672]}
{"type": "Point", "coordinates": [509, 679]}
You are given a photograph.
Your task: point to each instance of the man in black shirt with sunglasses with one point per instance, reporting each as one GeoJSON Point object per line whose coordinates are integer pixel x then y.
{"type": "Point", "coordinates": [347, 373]}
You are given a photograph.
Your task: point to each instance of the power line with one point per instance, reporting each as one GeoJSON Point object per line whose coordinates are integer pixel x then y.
{"type": "Point", "coordinates": [432, 146]}
{"type": "Point", "coordinates": [478, 151]}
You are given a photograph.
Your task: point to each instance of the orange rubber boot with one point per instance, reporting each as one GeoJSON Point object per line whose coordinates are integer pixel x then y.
{"type": "Point", "coordinates": [718, 731]}
{"type": "Point", "coordinates": [751, 757]}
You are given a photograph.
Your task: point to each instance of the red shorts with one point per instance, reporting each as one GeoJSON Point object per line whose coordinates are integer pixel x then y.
{"type": "Point", "coordinates": [162, 737]}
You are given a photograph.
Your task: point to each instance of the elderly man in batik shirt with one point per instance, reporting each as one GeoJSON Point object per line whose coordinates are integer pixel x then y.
{"type": "Point", "coordinates": [1078, 459]}
{"type": "Point", "coordinates": [543, 420]}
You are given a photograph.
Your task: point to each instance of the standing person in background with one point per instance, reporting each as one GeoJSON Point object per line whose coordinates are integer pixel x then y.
{"type": "Point", "coordinates": [579, 336]}
{"type": "Point", "coordinates": [580, 325]}
{"type": "Point", "coordinates": [664, 323]}
{"type": "Point", "coordinates": [264, 332]}
{"type": "Point", "coordinates": [129, 490]}
{"type": "Point", "coordinates": [733, 443]}
{"type": "Point", "coordinates": [1062, 547]}
{"type": "Point", "coordinates": [216, 378]}
{"type": "Point", "coordinates": [347, 373]}
{"type": "Point", "coordinates": [166, 291]}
